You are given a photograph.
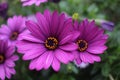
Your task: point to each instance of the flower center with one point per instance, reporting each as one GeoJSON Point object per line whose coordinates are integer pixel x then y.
{"type": "Point", "coordinates": [51, 43]}
{"type": "Point", "coordinates": [2, 58]}
{"type": "Point", "coordinates": [82, 45]}
{"type": "Point", "coordinates": [14, 36]}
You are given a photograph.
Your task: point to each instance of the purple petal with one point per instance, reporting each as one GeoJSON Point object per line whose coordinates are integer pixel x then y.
{"type": "Point", "coordinates": [41, 61]}
{"type": "Point", "coordinates": [10, 51]}
{"type": "Point", "coordinates": [43, 24]}
{"type": "Point", "coordinates": [62, 56]}
{"type": "Point", "coordinates": [34, 52]}
{"type": "Point", "coordinates": [2, 72]}
{"type": "Point", "coordinates": [48, 60]}
{"type": "Point", "coordinates": [35, 30]}
{"type": "Point", "coordinates": [56, 64]}
{"type": "Point", "coordinates": [9, 63]}
{"type": "Point", "coordinates": [55, 22]}
{"type": "Point", "coordinates": [65, 39]}
{"type": "Point", "coordinates": [96, 49]}
{"type": "Point", "coordinates": [87, 57]}
{"type": "Point", "coordinates": [69, 47]}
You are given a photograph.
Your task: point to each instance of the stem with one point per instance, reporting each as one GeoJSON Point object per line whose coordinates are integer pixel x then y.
{"type": "Point", "coordinates": [111, 77]}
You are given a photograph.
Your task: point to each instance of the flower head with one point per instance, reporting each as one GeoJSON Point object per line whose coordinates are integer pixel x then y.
{"type": "Point", "coordinates": [49, 41]}
{"type": "Point", "coordinates": [7, 60]}
{"type": "Point", "coordinates": [3, 9]}
{"type": "Point", "coordinates": [31, 2]}
{"type": "Point", "coordinates": [15, 26]}
{"type": "Point", "coordinates": [91, 42]}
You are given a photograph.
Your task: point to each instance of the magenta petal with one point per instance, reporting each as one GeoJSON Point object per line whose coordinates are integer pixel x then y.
{"type": "Point", "coordinates": [56, 64]}
{"type": "Point", "coordinates": [9, 63]}
{"type": "Point", "coordinates": [31, 38]}
{"type": "Point", "coordinates": [10, 51]}
{"type": "Point", "coordinates": [33, 53]}
{"type": "Point", "coordinates": [48, 60]}
{"type": "Point", "coordinates": [65, 39]}
{"type": "Point", "coordinates": [85, 57]}
{"type": "Point", "coordinates": [4, 30]}
{"type": "Point", "coordinates": [55, 22]}
{"type": "Point", "coordinates": [62, 56]}
{"type": "Point", "coordinates": [69, 47]}
{"type": "Point", "coordinates": [96, 49]}
{"type": "Point", "coordinates": [2, 72]}
{"type": "Point", "coordinates": [35, 30]}
{"type": "Point", "coordinates": [43, 24]}
{"type": "Point", "coordinates": [41, 61]}
{"type": "Point", "coordinates": [14, 57]}
{"type": "Point", "coordinates": [47, 15]}
{"type": "Point", "coordinates": [78, 61]}
{"type": "Point", "coordinates": [32, 64]}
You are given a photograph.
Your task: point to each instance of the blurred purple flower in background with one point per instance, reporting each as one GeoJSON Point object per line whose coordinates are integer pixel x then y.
{"type": "Point", "coordinates": [107, 25]}
{"type": "Point", "coordinates": [15, 26]}
{"type": "Point", "coordinates": [3, 10]}
{"type": "Point", "coordinates": [7, 59]}
{"type": "Point", "coordinates": [31, 2]}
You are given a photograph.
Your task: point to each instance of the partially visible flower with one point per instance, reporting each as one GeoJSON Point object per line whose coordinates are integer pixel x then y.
{"type": "Point", "coordinates": [55, 1]}
{"type": "Point", "coordinates": [7, 60]}
{"type": "Point", "coordinates": [82, 65]}
{"type": "Point", "coordinates": [107, 25]}
{"type": "Point", "coordinates": [31, 2]}
{"type": "Point", "coordinates": [15, 26]}
{"type": "Point", "coordinates": [3, 10]}
{"type": "Point", "coordinates": [91, 42]}
{"type": "Point", "coordinates": [49, 42]}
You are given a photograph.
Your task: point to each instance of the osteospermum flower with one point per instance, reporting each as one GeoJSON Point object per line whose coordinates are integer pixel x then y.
{"type": "Point", "coordinates": [91, 42]}
{"type": "Point", "coordinates": [31, 2]}
{"type": "Point", "coordinates": [50, 41]}
{"type": "Point", "coordinates": [15, 26]}
{"type": "Point", "coordinates": [7, 60]}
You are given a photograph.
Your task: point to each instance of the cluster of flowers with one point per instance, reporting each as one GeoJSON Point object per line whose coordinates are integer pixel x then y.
{"type": "Point", "coordinates": [49, 40]}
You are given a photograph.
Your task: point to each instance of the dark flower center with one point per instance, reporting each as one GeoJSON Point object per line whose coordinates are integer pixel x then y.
{"type": "Point", "coordinates": [14, 36]}
{"type": "Point", "coordinates": [51, 43]}
{"type": "Point", "coordinates": [82, 45]}
{"type": "Point", "coordinates": [2, 58]}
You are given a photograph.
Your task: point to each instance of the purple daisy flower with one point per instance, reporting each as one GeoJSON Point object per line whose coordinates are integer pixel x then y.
{"type": "Point", "coordinates": [91, 42]}
{"type": "Point", "coordinates": [7, 60]}
{"type": "Point", "coordinates": [31, 2]}
{"type": "Point", "coordinates": [15, 26]}
{"type": "Point", "coordinates": [50, 41]}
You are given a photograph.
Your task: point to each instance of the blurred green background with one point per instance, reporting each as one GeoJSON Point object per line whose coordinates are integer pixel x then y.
{"type": "Point", "coordinates": [107, 69]}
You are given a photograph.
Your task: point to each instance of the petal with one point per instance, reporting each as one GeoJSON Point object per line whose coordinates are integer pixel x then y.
{"type": "Point", "coordinates": [41, 61]}
{"type": "Point", "coordinates": [55, 22]}
{"type": "Point", "coordinates": [10, 51]}
{"type": "Point", "coordinates": [2, 72]}
{"type": "Point", "coordinates": [33, 53]}
{"type": "Point", "coordinates": [62, 56]}
{"type": "Point", "coordinates": [35, 30]}
{"type": "Point", "coordinates": [9, 63]}
{"type": "Point", "coordinates": [87, 57]}
{"type": "Point", "coordinates": [43, 24]}
{"type": "Point", "coordinates": [48, 60]}
{"type": "Point", "coordinates": [96, 49]}
{"type": "Point", "coordinates": [65, 39]}
{"type": "Point", "coordinates": [69, 47]}
{"type": "Point", "coordinates": [56, 64]}
{"type": "Point", "coordinates": [33, 63]}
